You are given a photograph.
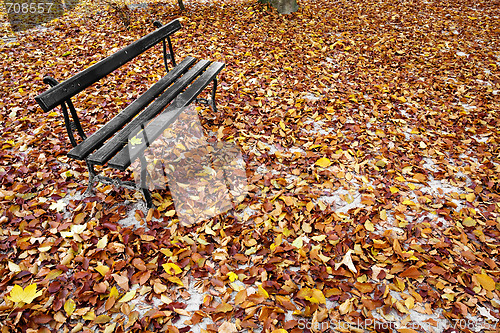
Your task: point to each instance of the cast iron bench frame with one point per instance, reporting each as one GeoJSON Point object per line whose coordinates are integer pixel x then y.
{"type": "Point", "coordinates": [109, 144]}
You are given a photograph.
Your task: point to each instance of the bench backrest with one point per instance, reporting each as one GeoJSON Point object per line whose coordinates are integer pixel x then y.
{"type": "Point", "coordinates": [69, 88]}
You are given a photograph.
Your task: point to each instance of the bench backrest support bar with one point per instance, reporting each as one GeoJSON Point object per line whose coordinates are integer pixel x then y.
{"type": "Point", "coordinates": [65, 105]}
{"type": "Point", "coordinates": [67, 89]}
{"type": "Point", "coordinates": [170, 48]}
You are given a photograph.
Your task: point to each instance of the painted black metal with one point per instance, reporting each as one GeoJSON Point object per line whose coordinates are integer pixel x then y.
{"type": "Point", "coordinates": [70, 125]}
{"type": "Point", "coordinates": [166, 55]}
{"type": "Point", "coordinates": [172, 54]}
{"type": "Point", "coordinates": [144, 185]}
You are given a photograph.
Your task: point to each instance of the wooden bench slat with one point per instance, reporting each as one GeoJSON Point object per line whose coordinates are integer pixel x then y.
{"type": "Point", "coordinates": [87, 146]}
{"type": "Point", "coordinates": [116, 143]}
{"type": "Point", "coordinates": [153, 130]}
{"type": "Point", "coordinates": [72, 86]}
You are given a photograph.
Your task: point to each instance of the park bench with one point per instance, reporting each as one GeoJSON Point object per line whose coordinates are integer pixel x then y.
{"type": "Point", "coordinates": [150, 114]}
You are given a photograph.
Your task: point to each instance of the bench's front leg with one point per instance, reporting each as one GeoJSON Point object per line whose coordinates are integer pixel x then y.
{"type": "Point", "coordinates": [92, 176]}
{"type": "Point", "coordinates": [214, 89]}
{"type": "Point", "coordinates": [210, 102]}
{"type": "Point", "coordinates": [144, 186]}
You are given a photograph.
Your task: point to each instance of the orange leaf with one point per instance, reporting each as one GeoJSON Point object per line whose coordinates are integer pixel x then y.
{"type": "Point", "coordinates": [411, 272]}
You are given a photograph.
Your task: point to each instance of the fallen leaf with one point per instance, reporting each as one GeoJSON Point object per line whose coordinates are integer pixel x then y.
{"type": "Point", "coordinates": [347, 261]}
{"type": "Point", "coordinates": [323, 162]}
{"type": "Point", "coordinates": [69, 307]}
{"type": "Point", "coordinates": [485, 281]}
{"type": "Point", "coordinates": [227, 327]}
{"type": "Point", "coordinates": [172, 268]}
{"type": "Point", "coordinates": [26, 295]}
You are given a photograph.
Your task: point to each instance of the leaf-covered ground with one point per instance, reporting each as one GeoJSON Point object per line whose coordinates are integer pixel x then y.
{"type": "Point", "coordinates": [371, 135]}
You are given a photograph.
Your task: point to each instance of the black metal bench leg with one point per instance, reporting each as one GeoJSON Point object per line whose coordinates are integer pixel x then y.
{"type": "Point", "coordinates": [144, 186]}
{"type": "Point", "coordinates": [214, 89]}
{"type": "Point", "coordinates": [92, 175]}
{"type": "Point", "coordinates": [210, 102]}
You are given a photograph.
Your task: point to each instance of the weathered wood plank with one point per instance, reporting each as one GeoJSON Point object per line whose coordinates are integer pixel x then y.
{"type": "Point", "coordinates": [94, 141]}
{"type": "Point", "coordinates": [156, 127]}
{"type": "Point", "coordinates": [112, 146]}
{"type": "Point", "coordinates": [72, 86]}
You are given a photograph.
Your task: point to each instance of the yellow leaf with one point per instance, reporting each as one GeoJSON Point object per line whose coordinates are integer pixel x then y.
{"type": "Point", "coordinates": [410, 303]}
{"type": "Point", "coordinates": [383, 215]}
{"type": "Point", "coordinates": [316, 297]}
{"type": "Point", "coordinates": [224, 307]}
{"type": "Point", "coordinates": [114, 292]}
{"type": "Point", "coordinates": [470, 197]}
{"type": "Point", "coordinates": [310, 206]}
{"type": "Point", "coordinates": [128, 296]}
{"type": "Point", "coordinates": [78, 228]}
{"type": "Point", "coordinates": [89, 315]}
{"type": "Point", "coordinates": [282, 125]}
{"type": "Point", "coordinates": [319, 238]}
{"type": "Point", "coordinates": [168, 267]}
{"type": "Point", "coordinates": [469, 222]}
{"type": "Point", "coordinates": [347, 198]}
{"type": "Point", "coordinates": [110, 328]}
{"type": "Point", "coordinates": [394, 189]}
{"type": "Point", "coordinates": [79, 218]}
{"type": "Point", "coordinates": [135, 141]}
{"type": "Point", "coordinates": [102, 319]}
{"type": "Point", "coordinates": [280, 330]}
{"type": "Point", "coordinates": [101, 244]}
{"type": "Point", "coordinates": [345, 307]}
{"type": "Point", "coordinates": [170, 213]}
{"type": "Point", "coordinates": [232, 276]}
{"type": "Point", "coordinates": [263, 291]}
{"type": "Point", "coordinates": [485, 281]}
{"type": "Point", "coordinates": [102, 269]}
{"type": "Point", "coordinates": [209, 230]}
{"type": "Point", "coordinates": [298, 242]}
{"type": "Point", "coordinates": [53, 274]}
{"type": "Point", "coordinates": [408, 203]}
{"type": "Point", "coordinates": [381, 163]}
{"type": "Point", "coordinates": [323, 162]}
{"type": "Point", "coordinates": [69, 307]}
{"type": "Point", "coordinates": [26, 295]}
{"type": "Point", "coordinates": [176, 280]}
{"type": "Point", "coordinates": [369, 226]}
